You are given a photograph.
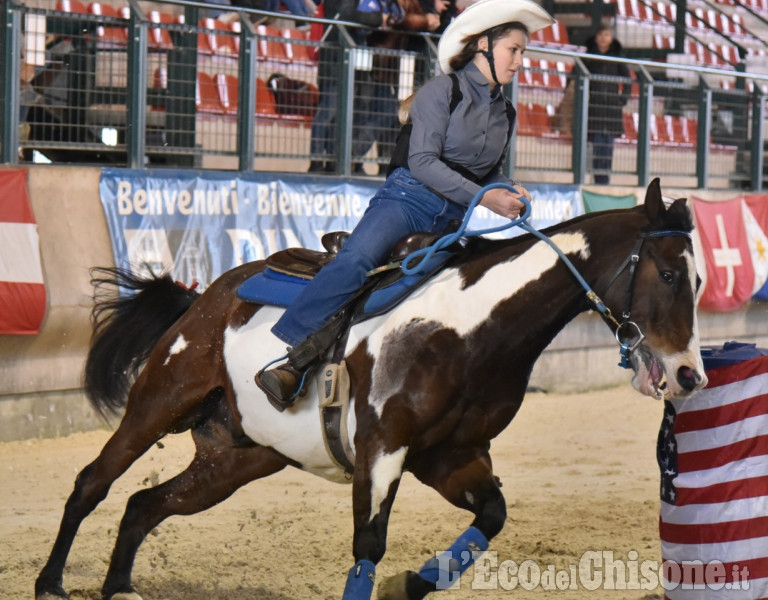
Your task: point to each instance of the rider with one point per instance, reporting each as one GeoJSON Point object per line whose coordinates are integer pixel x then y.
{"type": "Point", "coordinates": [453, 152]}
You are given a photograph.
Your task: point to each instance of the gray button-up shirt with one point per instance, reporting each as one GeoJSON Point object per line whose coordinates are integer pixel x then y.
{"type": "Point", "coordinates": [474, 135]}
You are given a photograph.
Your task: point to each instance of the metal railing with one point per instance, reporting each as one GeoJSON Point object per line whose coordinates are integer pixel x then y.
{"type": "Point", "coordinates": [179, 86]}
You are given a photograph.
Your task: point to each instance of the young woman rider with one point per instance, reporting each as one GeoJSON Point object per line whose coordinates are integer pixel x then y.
{"type": "Point", "coordinates": [452, 153]}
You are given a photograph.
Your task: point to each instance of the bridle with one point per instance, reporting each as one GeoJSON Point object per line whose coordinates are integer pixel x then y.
{"type": "Point", "coordinates": [623, 330]}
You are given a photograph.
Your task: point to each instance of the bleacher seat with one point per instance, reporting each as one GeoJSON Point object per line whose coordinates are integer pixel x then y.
{"type": "Point", "coordinates": [298, 53]}
{"type": "Point", "coordinates": [159, 38]}
{"type": "Point", "coordinates": [535, 72]}
{"type": "Point", "coordinates": [236, 28]}
{"type": "Point", "coordinates": [213, 43]}
{"type": "Point", "coordinates": [271, 49]}
{"type": "Point", "coordinates": [108, 36]}
{"type": "Point", "coordinates": [265, 101]}
{"type": "Point", "coordinates": [71, 6]}
{"type": "Point", "coordinates": [207, 95]}
{"type": "Point", "coordinates": [228, 88]}
{"type": "Point", "coordinates": [630, 128]}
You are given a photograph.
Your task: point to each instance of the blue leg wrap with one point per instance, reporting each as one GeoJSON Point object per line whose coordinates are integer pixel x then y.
{"type": "Point", "coordinates": [360, 581]}
{"type": "Point", "coordinates": [446, 569]}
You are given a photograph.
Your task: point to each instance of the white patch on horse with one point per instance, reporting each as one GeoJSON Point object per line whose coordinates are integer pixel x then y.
{"type": "Point", "coordinates": [691, 355]}
{"type": "Point", "coordinates": [447, 303]}
{"type": "Point", "coordinates": [178, 346]}
{"type": "Point", "coordinates": [386, 469]}
{"type": "Point", "coordinates": [296, 432]}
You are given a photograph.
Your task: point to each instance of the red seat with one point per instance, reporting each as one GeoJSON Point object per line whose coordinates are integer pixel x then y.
{"type": "Point", "coordinates": [160, 38]}
{"type": "Point", "coordinates": [533, 74]}
{"type": "Point", "coordinates": [160, 78]}
{"type": "Point", "coordinates": [525, 122]}
{"type": "Point", "coordinates": [207, 95]}
{"type": "Point", "coordinates": [228, 88]}
{"type": "Point", "coordinates": [271, 49]}
{"type": "Point", "coordinates": [71, 6]}
{"type": "Point", "coordinates": [212, 42]}
{"type": "Point", "coordinates": [236, 29]}
{"type": "Point", "coordinates": [298, 53]}
{"type": "Point", "coordinates": [541, 121]}
{"type": "Point", "coordinates": [630, 127]}
{"type": "Point", "coordinates": [265, 100]}
{"type": "Point", "coordinates": [108, 36]}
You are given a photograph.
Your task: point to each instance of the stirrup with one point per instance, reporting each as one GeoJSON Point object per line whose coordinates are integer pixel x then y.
{"type": "Point", "coordinates": [278, 402]}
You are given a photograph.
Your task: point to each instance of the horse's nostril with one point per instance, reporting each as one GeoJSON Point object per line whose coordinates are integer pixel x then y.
{"type": "Point", "coordinates": [688, 378]}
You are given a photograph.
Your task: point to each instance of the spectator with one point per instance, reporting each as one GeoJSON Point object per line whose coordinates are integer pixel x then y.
{"type": "Point", "coordinates": [605, 122]}
{"type": "Point", "coordinates": [329, 58]}
{"type": "Point", "coordinates": [301, 8]}
{"type": "Point", "coordinates": [380, 123]}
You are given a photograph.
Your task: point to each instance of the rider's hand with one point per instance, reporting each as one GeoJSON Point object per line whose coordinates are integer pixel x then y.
{"type": "Point", "coordinates": [505, 202]}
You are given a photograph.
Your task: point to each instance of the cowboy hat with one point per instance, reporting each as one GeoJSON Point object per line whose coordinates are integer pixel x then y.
{"type": "Point", "coordinates": [483, 15]}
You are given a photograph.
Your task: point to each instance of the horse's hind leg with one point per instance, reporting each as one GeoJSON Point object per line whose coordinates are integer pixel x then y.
{"type": "Point", "coordinates": [218, 469]}
{"type": "Point", "coordinates": [128, 443]}
{"type": "Point", "coordinates": [465, 478]}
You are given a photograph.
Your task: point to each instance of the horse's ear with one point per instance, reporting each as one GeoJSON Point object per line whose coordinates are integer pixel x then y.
{"type": "Point", "coordinates": [654, 205]}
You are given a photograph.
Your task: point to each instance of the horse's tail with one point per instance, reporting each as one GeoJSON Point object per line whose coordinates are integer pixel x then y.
{"type": "Point", "coordinates": [126, 328]}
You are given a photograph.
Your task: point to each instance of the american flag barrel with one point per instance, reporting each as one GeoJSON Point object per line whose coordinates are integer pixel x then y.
{"type": "Point", "coordinates": [713, 457]}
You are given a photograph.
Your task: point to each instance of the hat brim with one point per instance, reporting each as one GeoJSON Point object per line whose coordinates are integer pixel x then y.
{"type": "Point", "coordinates": [483, 15]}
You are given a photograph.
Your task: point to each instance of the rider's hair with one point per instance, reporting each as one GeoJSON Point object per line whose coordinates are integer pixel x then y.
{"type": "Point", "coordinates": [467, 53]}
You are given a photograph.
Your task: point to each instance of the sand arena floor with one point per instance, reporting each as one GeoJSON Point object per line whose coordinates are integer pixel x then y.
{"type": "Point", "coordinates": [578, 472]}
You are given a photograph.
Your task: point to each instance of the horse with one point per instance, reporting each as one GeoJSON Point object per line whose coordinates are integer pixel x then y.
{"type": "Point", "coordinates": [431, 382]}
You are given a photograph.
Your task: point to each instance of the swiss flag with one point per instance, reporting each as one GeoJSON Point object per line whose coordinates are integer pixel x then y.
{"type": "Point", "coordinates": [22, 292]}
{"type": "Point", "coordinates": [730, 276]}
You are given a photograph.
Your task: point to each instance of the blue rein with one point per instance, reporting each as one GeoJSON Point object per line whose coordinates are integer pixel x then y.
{"type": "Point", "coordinates": [627, 341]}
{"type": "Point", "coordinates": [522, 222]}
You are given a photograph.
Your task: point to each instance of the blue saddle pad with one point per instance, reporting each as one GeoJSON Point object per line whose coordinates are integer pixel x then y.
{"type": "Point", "coordinates": [278, 289]}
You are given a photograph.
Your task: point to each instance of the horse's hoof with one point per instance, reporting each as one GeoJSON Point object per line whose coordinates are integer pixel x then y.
{"type": "Point", "coordinates": [50, 596]}
{"type": "Point", "coordinates": [125, 596]}
{"type": "Point", "coordinates": [394, 588]}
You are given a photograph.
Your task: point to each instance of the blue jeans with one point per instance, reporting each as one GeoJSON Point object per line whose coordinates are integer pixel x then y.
{"type": "Point", "coordinates": [403, 205]}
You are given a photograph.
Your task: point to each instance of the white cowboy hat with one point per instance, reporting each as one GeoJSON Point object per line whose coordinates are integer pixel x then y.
{"type": "Point", "coordinates": [483, 15]}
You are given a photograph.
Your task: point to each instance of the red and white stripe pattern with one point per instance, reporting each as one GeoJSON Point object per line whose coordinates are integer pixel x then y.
{"type": "Point", "coordinates": [22, 292]}
{"type": "Point", "coordinates": [713, 455]}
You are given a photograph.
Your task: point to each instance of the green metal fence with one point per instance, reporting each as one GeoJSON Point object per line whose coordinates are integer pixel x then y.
{"type": "Point", "coordinates": [180, 85]}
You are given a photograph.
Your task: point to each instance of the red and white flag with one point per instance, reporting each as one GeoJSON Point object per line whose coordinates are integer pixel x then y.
{"type": "Point", "coordinates": [713, 456]}
{"type": "Point", "coordinates": [22, 292]}
{"type": "Point", "coordinates": [730, 277]}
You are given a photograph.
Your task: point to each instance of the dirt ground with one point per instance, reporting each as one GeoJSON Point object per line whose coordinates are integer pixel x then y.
{"type": "Point", "coordinates": [578, 472]}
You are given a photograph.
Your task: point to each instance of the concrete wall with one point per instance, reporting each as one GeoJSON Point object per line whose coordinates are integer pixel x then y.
{"type": "Point", "coordinates": [40, 376]}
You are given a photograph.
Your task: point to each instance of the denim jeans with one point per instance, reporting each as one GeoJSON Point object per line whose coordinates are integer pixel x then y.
{"type": "Point", "coordinates": [403, 205]}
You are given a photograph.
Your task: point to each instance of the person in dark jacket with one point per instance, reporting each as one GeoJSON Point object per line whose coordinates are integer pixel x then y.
{"type": "Point", "coordinates": [382, 14]}
{"type": "Point", "coordinates": [607, 97]}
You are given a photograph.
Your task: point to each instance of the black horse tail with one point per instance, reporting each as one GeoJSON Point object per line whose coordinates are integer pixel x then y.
{"type": "Point", "coordinates": [125, 329]}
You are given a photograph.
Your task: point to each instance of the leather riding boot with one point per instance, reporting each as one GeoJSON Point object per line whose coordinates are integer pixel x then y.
{"type": "Point", "coordinates": [281, 384]}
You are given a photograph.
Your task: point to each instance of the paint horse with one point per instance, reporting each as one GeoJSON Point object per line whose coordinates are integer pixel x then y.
{"type": "Point", "coordinates": [431, 383]}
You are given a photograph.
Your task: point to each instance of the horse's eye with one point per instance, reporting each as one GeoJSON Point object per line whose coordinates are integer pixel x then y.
{"type": "Point", "coordinates": [667, 276]}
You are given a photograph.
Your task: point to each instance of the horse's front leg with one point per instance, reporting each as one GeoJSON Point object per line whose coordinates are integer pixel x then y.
{"type": "Point", "coordinates": [464, 477]}
{"type": "Point", "coordinates": [378, 471]}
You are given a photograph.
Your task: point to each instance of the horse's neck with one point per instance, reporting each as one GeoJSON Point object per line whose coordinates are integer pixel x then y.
{"type": "Point", "coordinates": [536, 294]}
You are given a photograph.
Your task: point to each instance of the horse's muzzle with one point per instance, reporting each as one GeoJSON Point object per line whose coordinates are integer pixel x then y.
{"type": "Point", "coordinates": [690, 379]}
